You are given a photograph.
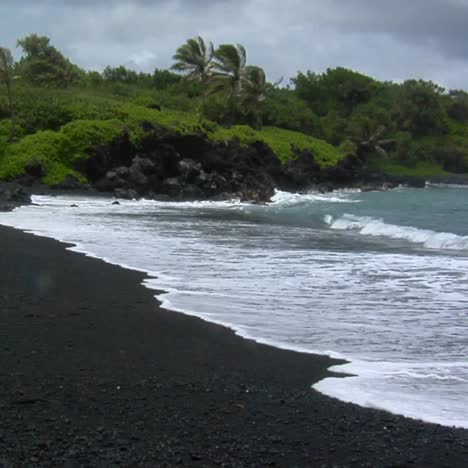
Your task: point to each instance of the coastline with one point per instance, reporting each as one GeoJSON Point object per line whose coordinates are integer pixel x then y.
{"type": "Point", "coordinates": [93, 371]}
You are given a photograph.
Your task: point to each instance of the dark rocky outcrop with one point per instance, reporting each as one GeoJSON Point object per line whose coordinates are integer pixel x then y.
{"type": "Point", "coordinates": [12, 195]}
{"type": "Point", "coordinates": [191, 168]}
{"type": "Point", "coordinates": [69, 183]}
{"type": "Point", "coordinates": [118, 153]}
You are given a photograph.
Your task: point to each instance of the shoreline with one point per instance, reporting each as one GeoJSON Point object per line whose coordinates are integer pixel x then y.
{"type": "Point", "coordinates": [94, 371]}
{"type": "Point", "coordinates": [336, 369]}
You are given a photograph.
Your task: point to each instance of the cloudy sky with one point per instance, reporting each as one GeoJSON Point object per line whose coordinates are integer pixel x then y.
{"type": "Point", "coordinates": [387, 39]}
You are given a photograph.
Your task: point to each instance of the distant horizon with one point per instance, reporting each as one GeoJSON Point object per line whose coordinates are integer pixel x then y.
{"type": "Point", "coordinates": [389, 42]}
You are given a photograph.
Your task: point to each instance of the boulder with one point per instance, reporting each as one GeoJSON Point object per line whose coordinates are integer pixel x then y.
{"type": "Point", "coordinates": [136, 176]}
{"type": "Point", "coordinates": [172, 187]}
{"type": "Point", "coordinates": [69, 183]}
{"type": "Point", "coordinates": [12, 196]}
{"type": "Point", "coordinates": [190, 170]}
{"type": "Point", "coordinates": [299, 173]}
{"type": "Point", "coordinates": [111, 176]}
{"type": "Point", "coordinates": [110, 182]}
{"type": "Point", "coordinates": [126, 194]}
{"type": "Point", "coordinates": [192, 192]}
{"type": "Point", "coordinates": [122, 171]}
{"type": "Point", "coordinates": [105, 158]}
{"type": "Point", "coordinates": [15, 195]}
{"type": "Point", "coordinates": [145, 165]}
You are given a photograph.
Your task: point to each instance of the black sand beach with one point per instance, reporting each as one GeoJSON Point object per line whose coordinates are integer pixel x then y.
{"type": "Point", "coordinates": [93, 373]}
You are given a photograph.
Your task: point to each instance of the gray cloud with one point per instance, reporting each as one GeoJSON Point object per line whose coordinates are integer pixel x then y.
{"type": "Point", "coordinates": [389, 40]}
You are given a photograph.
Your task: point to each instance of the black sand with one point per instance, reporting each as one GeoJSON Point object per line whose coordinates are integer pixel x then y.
{"type": "Point", "coordinates": [93, 373]}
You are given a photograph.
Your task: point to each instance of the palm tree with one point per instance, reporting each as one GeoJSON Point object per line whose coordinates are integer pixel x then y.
{"type": "Point", "coordinates": [373, 141]}
{"type": "Point", "coordinates": [229, 68]}
{"type": "Point", "coordinates": [6, 75]}
{"type": "Point", "coordinates": [254, 89]}
{"type": "Point", "coordinates": [255, 84]}
{"type": "Point", "coordinates": [194, 58]}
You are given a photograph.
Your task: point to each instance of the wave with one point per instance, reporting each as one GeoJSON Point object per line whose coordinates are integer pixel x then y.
{"type": "Point", "coordinates": [377, 227]}
{"type": "Point", "coordinates": [286, 199]}
{"type": "Point", "coordinates": [432, 185]}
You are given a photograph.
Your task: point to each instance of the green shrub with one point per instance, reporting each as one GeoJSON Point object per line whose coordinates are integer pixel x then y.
{"type": "Point", "coordinates": [145, 101]}
{"type": "Point", "coordinates": [282, 108]}
{"type": "Point", "coordinates": [57, 152]}
{"type": "Point", "coordinates": [281, 142]}
{"type": "Point", "coordinates": [420, 168]}
{"type": "Point", "coordinates": [48, 148]}
{"type": "Point", "coordinates": [86, 134]}
{"type": "Point", "coordinates": [244, 134]}
{"type": "Point", "coordinates": [142, 122]}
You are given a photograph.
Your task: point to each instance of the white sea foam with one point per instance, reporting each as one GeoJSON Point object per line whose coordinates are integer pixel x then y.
{"type": "Point", "coordinates": [377, 227]}
{"type": "Point", "coordinates": [289, 199]}
{"type": "Point", "coordinates": [379, 385]}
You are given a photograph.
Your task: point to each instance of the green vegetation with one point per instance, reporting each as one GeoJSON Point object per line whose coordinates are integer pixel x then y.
{"type": "Point", "coordinates": [56, 114]}
{"type": "Point", "coordinates": [46, 147]}
{"type": "Point", "coordinates": [58, 152]}
{"type": "Point", "coordinates": [7, 76]}
{"type": "Point", "coordinates": [281, 142]}
{"type": "Point", "coordinates": [420, 169]}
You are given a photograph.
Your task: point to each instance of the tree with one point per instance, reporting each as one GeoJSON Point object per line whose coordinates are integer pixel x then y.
{"type": "Point", "coordinates": [7, 76]}
{"type": "Point", "coordinates": [337, 90]}
{"type": "Point", "coordinates": [308, 87]}
{"type": "Point", "coordinates": [194, 58]}
{"type": "Point", "coordinates": [229, 71]}
{"type": "Point", "coordinates": [163, 79]}
{"type": "Point", "coordinates": [283, 108]}
{"type": "Point", "coordinates": [43, 65]}
{"type": "Point", "coordinates": [457, 107]}
{"type": "Point", "coordinates": [253, 91]}
{"type": "Point", "coordinates": [120, 74]}
{"type": "Point", "coordinates": [369, 129]}
{"type": "Point", "coordinates": [420, 110]}
{"type": "Point", "coordinates": [92, 78]}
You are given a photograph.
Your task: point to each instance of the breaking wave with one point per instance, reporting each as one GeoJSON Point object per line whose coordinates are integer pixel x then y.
{"type": "Point", "coordinates": [286, 199]}
{"type": "Point", "coordinates": [368, 226]}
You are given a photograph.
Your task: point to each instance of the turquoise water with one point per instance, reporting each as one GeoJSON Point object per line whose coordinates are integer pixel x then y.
{"type": "Point", "coordinates": [378, 278]}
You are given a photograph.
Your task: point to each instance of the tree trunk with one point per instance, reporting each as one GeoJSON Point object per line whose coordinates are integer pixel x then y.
{"type": "Point", "coordinates": [232, 107]}
{"type": "Point", "coordinates": [11, 108]}
{"type": "Point", "coordinates": [204, 83]}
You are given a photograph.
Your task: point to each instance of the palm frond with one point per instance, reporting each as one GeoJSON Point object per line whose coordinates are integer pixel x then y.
{"type": "Point", "coordinates": [6, 60]}
{"type": "Point", "coordinates": [194, 58]}
{"type": "Point", "coordinates": [230, 59]}
{"type": "Point", "coordinates": [254, 84]}
{"type": "Point", "coordinates": [218, 83]}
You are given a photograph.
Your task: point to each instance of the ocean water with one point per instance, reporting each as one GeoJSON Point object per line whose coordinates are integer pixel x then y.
{"type": "Point", "coordinates": [378, 278]}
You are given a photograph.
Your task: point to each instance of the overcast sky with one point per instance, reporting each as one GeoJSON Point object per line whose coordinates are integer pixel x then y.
{"type": "Point", "coordinates": [387, 39]}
